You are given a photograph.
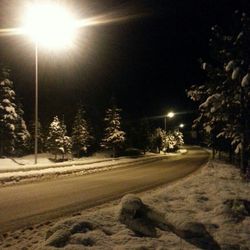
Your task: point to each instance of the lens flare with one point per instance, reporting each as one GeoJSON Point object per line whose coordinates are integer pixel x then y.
{"type": "Point", "coordinates": [53, 26]}
{"type": "Point", "coordinates": [50, 25]}
{"type": "Point", "coordinates": [171, 114]}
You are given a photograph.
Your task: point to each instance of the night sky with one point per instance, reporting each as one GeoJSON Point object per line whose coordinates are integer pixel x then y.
{"type": "Point", "coordinates": [144, 63]}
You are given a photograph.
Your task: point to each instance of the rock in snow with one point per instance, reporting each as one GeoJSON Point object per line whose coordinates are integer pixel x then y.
{"type": "Point", "coordinates": [230, 66]}
{"type": "Point", "coordinates": [143, 221]}
{"type": "Point", "coordinates": [133, 213]}
{"type": "Point", "coordinates": [236, 73]}
{"type": "Point", "coordinates": [245, 80]}
{"type": "Point", "coordinates": [63, 233]}
{"type": "Point", "coordinates": [208, 207]}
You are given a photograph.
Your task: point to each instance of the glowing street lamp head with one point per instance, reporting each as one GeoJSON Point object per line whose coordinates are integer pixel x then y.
{"type": "Point", "coordinates": [50, 25]}
{"type": "Point", "coordinates": [181, 125]}
{"type": "Point", "coordinates": [170, 114]}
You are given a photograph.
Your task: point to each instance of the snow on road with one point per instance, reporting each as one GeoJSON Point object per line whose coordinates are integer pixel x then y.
{"type": "Point", "coordinates": [204, 198]}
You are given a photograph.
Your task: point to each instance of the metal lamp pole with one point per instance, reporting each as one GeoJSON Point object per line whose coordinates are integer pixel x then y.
{"type": "Point", "coordinates": [170, 115]}
{"type": "Point", "coordinates": [36, 101]}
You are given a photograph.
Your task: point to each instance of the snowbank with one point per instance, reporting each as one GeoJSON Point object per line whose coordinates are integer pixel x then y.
{"type": "Point", "coordinates": [19, 173]}
{"type": "Point", "coordinates": [203, 208]}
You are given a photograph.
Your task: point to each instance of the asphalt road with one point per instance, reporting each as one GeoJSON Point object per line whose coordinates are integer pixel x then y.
{"type": "Point", "coordinates": [26, 204]}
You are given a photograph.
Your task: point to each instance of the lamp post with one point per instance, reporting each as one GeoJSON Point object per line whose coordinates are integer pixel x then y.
{"type": "Point", "coordinates": [169, 115]}
{"type": "Point", "coordinates": [50, 26]}
{"type": "Point", "coordinates": [36, 102]}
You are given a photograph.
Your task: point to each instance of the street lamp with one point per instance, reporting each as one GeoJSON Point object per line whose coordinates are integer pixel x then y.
{"type": "Point", "coordinates": [169, 115]}
{"type": "Point", "coordinates": [50, 26]}
{"type": "Point", "coordinates": [182, 125]}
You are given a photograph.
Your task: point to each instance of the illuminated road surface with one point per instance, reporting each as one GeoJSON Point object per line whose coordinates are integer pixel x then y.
{"type": "Point", "coordinates": [26, 204]}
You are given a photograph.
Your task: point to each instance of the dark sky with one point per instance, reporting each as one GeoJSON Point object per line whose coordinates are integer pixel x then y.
{"type": "Point", "coordinates": [145, 63]}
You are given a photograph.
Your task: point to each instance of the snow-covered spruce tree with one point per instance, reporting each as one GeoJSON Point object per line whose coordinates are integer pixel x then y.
{"type": "Point", "coordinates": [57, 141]}
{"type": "Point", "coordinates": [67, 145]}
{"type": "Point", "coordinates": [81, 137]}
{"type": "Point", "coordinates": [157, 139]}
{"type": "Point", "coordinates": [224, 97]}
{"type": "Point", "coordinates": [22, 139]}
{"type": "Point", "coordinates": [179, 138]}
{"type": "Point", "coordinates": [172, 141]}
{"type": "Point", "coordinates": [8, 115]}
{"type": "Point", "coordinates": [169, 142]}
{"type": "Point", "coordinates": [67, 141]}
{"type": "Point", "coordinates": [114, 137]}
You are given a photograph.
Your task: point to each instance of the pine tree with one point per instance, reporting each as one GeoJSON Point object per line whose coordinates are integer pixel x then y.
{"type": "Point", "coordinates": [172, 140]}
{"type": "Point", "coordinates": [8, 115]}
{"type": "Point", "coordinates": [81, 137]}
{"type": "Point", "coordinates": [58, 143]}
{"type": "Point", "coordinates": [157, 140]}
{"type": "Point", "coordinates": [179, 138]}
{"type": "Point", "coordinates": [55, 139]}
{"type": "Point", "coordinates": [114, 137]}
{"type": "Point", "coordinates": [224, 97]}
{"type": "Point", "coordinates": [169, 142]}
{"type": "Point", "coordinates": [67, 141]}
{"type": "Point", "coordinates": [67, 144]}
{"type": "Point", "coordinates": [22, 139]}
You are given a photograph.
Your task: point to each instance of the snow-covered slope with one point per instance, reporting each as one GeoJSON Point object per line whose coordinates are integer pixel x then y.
{"type": "Point", "coordinates": [202, 198]}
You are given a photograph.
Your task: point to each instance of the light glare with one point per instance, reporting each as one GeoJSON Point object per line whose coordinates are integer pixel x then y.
{"type": "Point", "coordinates": [50, 25]}
{"type": "Point", "coordinates": [170, 115]}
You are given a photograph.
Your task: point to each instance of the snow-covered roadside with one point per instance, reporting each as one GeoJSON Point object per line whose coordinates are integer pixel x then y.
{"type": "Point", "coordinates": [12, 175]}
{"type": "Point", "coordinates": [26, 163]}
{"type": "Point", "coordinates": [76, 167]}
{"type": "Point", "coordinates": [202, 198]}
{"type": "Point", "coordinates": [40, 166]}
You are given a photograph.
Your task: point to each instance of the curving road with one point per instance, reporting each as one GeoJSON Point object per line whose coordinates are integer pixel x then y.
{"type": "Point", "coordinates": [26, 204]}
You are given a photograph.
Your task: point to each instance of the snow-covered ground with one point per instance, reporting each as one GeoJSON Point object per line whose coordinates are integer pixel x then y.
{"type": "Point", "coordinates": [208, 199]}
{"type": "Point", "coordinates": [27, 162]}
{"type": "Point", "coordinates": [19, 169]}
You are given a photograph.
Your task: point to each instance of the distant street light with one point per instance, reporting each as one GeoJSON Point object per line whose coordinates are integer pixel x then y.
{"type": "Point", "coordinates": [50, 26]}
{"type": "Point", "coordinates": [169, 115]}
{"type": "Point", "coordinates": [182, 125]}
